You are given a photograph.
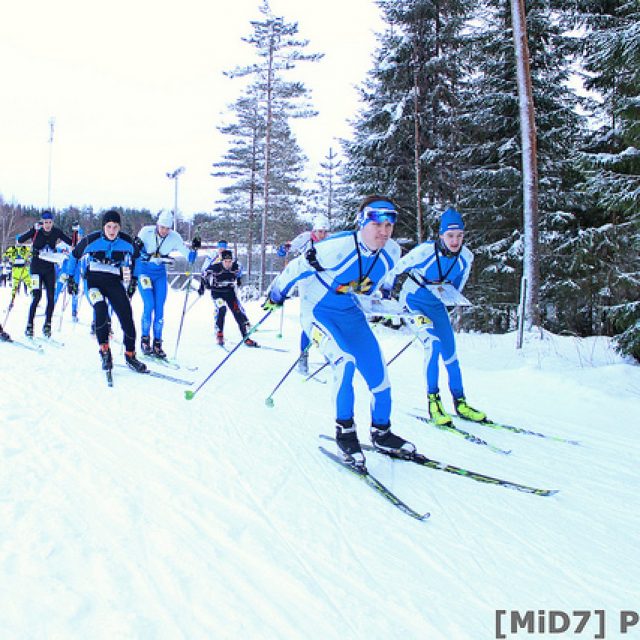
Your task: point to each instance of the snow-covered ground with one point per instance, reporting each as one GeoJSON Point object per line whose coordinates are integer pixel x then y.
{"type": "Point", "coordinates": [133, 513]}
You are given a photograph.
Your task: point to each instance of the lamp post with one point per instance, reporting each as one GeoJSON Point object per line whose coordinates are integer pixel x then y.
{"type": "Point", "coordinates": [173, 175]}
{"type": "Point", "coordinates": [52, 122]}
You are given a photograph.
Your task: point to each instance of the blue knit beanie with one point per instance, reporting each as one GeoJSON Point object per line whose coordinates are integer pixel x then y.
{"type": "Point", "coordinates": [451, 220]}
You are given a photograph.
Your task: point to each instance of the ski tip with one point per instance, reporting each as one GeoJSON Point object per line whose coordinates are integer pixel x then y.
{"type": "Point", "coordinates": [269, 402]}
{"type": "Point", "coordinates": [188, 395]}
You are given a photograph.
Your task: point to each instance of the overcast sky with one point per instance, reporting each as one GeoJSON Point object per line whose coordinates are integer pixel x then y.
{"type": "Point", "coordinates": [136, 89]}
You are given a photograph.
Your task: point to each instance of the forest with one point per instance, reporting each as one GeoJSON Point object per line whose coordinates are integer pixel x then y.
{"type": "Point", "coordinates": [439, 125]}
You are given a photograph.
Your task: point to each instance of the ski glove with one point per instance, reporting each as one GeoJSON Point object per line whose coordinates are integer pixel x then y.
{"type": "Point", "coordinates": [271, 305]}
{"type": "Point", "coordinates": [274, 300]}
{"type": "Point", "coordinates": [133, 286]}
{"type": "Point", "coordinates": [72, 286]}
{"type": "Point", "coordinates": [201, 288]}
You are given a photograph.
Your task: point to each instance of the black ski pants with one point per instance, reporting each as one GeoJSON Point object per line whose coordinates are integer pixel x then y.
{"type": "Point", "coordinates": [105, 289]}
{"type": "Point", "coordinates": [226, 297]}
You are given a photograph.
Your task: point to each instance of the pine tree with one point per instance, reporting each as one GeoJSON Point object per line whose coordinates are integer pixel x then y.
{"type": "Point", "coordinates": [405, 135]}
{"type": "Point", "coordinates": [491, 160]}
{"type": "Point", "coordinates": [278, 50]}
{"type": "Point", "coordinates": [611, 162]}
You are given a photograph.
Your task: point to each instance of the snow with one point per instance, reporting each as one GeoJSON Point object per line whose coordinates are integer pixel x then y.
{"type": "Point", "coordinates": [133, 513]}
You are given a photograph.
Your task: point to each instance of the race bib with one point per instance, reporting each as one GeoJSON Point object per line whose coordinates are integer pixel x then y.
{"type": "Point", "coordinates": [219, 302]}
{"type": "Point", "coordinates": [35, 281]}
{"type": "Point", "coordinates": [145, 282]}
{"type": "Point", "coordinates": [318, 335]}
{"type": "Point", "coordinates": [95, 296]}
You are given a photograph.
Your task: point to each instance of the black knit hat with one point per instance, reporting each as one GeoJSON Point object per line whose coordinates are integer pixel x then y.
{"type": "Point", "coordinates": [226, 255]}
{"type": "Point", "coordinates": [111, 216]}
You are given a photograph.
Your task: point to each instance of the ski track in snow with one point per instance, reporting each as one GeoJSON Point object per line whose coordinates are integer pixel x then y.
{"type": "Point", "coordinates": [133, 513]}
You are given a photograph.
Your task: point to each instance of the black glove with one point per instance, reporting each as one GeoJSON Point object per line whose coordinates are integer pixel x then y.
{"type": "Point", "coordinates": [72, 286]}
{"type": "Point", "coordinates": [133, 286]}
{"type": "Point", "coordinates": [196, 243]}
{"type": "Point", "coordinates": [201, 288]}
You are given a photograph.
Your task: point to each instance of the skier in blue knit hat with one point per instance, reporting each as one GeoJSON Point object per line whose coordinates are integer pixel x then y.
{"type": "Point", "coordinates": [433, 266]}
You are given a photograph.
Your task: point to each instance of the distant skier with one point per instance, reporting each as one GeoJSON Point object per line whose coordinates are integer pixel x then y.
{"type": "Point", "coordinates": [19, 258]}
{"type": "Point", "coordinates": [76, 235]}
{"type": "Point", "coordinates": [156, 242]}
{"type": "Point", "coordinates": [443, 261]}
{"type": "Point", "coordinates": [345, 265]}
{"type": "Point", "coordinates": [223, 278]}
{"type": "Point", "coordinates": [44, 237]}
{"type": "Point", "coordinates": [302, 244]}
{"type": "Point", "coordinates": [110, 254]}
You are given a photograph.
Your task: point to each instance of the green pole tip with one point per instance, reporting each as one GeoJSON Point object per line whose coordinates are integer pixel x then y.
{"type": "Point", "coordinates": [269, 401]}
{"type": "Point", "coordinates": [188, 395]}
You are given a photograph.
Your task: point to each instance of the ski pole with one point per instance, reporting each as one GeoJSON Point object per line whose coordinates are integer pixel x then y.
{"type": "Point", "coordinates": [184, 309]}
{"type": "Point", "coordinates": [279, 334]}
{"type": "Point", "coordinates": [64, 307]}
{"type": "Point", "coordinates": [406, 346]}
{"type": "Point", "coordinates": [269, 400]}
{"type": "Point", "coordinates": [190, 394]}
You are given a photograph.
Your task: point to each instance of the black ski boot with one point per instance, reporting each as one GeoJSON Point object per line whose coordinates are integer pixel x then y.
{"type": "Point", "coordinates": [250, 343]}
{"type": "Point", "coordinates": [348, 444]}
{"type": "Point", "coordinates": [220, 338]}
{"type": "Point", "coordinates": [46, 330]}
{"type": "Point", "coordinates": [145, 345]}
{"type": "Point", "coordinates": [29, 331]}
{"type": "Point", "coordinates": [303, 363]}
{"type": "Point", "coordinates": [4, 336]}
{"type": "Point", "coordinates": [157, 350]}
{"type": "Point", "coordinates": [134, 363]}
{"type": "Point", "coordinates": [382, 438]}
{"type": "Point", "coordinates": [105, 356]}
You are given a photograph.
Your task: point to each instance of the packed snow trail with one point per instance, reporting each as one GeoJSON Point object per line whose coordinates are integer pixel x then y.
{"type": "Point", "coordinates": [130, 512]}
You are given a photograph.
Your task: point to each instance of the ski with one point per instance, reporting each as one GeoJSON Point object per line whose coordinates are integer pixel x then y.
{"type": "Point", "coordinates": [52, 342]}
{"type": "Point", "coordinates": [157, 374]}
{"type": "Point", "coordinates": [507, 427]}
{"type": "Point", "coordinates": [165, 362]}
{"type": "Point", "coordinates": [376, 485]}
{"type": "Point", "coordinates": [423, 461]}
{"type": "Point", "coordinates": [31, 347]}
{"type": "Point", "coordinates": [109, 375]}
{"type": "Point", "coordinates": [451, 428]}
{"type": "Point", "coordinates": [268, 348]}
{"type": "Point", "coordinates": [39, 342]}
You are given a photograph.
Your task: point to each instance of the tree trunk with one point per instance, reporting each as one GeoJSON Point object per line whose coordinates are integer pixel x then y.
{"type": "Point", "coordinates": [531, 262]}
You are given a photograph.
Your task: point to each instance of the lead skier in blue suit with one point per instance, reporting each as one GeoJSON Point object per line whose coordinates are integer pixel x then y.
{"type": "Point", "coordinates": [443, 261]}
{"type": "Point", "coordinates": [342, 267]}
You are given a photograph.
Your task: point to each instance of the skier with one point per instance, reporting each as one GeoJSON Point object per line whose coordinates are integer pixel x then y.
{"type": "Point", "coordinates": [300, 245]}
{"type": "Point", "coordinates": [443, 261]}
{"type": "Point", "coordinates": [19, 258]}
{"type": "Point", "coordinates": [222, 278]}
{"type": "Point", "coordinates": [110, 254]}
{"type": "Point", "coordinates": [345, 265]}
{"type": "Point", "coordinates": [44, 237]}
{"type": "Point", "coordinates": [76, 235]}
{"type": "Point", "coordinates": [221, 246]}
{"type": "Point", "coordinates": [156, 242]}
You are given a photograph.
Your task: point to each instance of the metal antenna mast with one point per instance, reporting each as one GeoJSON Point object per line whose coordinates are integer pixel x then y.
{"type": "Point", "coordinates": [52, 122]}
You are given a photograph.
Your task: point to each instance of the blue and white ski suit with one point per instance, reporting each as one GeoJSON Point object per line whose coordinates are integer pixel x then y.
{"type": "Point", "coordinates": [426, 264]}
{"type": "Point", "coordinates": [151, 271]}
{"type": "Point", "coordinates": [344, 266]}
